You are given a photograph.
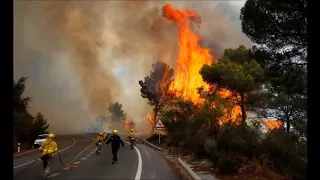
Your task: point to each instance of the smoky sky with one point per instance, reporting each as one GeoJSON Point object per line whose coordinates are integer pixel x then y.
{"type": "Point", "coordinates": [80, 56]}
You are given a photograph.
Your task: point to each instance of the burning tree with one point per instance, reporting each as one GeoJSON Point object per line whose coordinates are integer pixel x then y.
{"type": "Point", "coordinates": [155, 86]}
{"type": "Point", "coordinates": [235, 72]}
{"type": "Point", "coordinates": [209, 93]}
{"type": "Point", "coordinates": [191, 58]}
{"type": "Point", "coordinates": [128, 124]}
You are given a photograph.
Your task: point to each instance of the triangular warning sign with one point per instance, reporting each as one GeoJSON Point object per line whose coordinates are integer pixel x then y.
{"type": "Point", "coordinates": [159, 124]}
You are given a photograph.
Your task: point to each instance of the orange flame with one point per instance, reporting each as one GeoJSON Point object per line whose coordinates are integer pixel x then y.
{"type": "Point", "coordinates": [191, 57]}
{"type": "Point", "coordinates": [124, 124]}
{"type": "Point", "coordinates": [272, 124]}
{"type": "Point", "coordinates": [149, 118]}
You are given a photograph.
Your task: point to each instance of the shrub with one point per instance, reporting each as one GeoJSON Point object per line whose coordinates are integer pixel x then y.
{"type": "Point", "coordinates": [210, 146]}
{"type": "Point", "coordinates": [229, 163]}
{"type": "Point", "coordinates": [287, 154]}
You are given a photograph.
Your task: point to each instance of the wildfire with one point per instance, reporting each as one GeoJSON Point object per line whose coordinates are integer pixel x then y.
{"type": "Point", "coordinates": [149, 118]}
{"type": "Point", "coordinates": [272, 124]}
{"type": "Point", "coordinates": [191, 57]}
{"type": "Point", "coordinates": [124, 124]}
{"type": "Point", "coordinates": [128, 124]}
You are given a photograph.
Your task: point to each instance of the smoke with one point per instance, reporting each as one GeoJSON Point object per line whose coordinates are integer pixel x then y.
{"type": "Point", "coordinates": [80, 56]}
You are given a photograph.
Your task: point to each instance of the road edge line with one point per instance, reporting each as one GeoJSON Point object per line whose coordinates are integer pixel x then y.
{"type": "Point", "coordinates": [16, 155]}
{"type": "Point", "coordinates": [191, 174]}
{"type": "Point", "coordinates": [74, 141]}
{"type": "Point", "coordinates": [139, 169]}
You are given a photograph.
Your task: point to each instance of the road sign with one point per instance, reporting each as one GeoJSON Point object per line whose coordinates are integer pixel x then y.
{"type": "Point", "coordinates": [159, 125]}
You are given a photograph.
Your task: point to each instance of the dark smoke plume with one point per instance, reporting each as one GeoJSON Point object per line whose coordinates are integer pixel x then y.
{"type": "Point", "coordinates": [82, 55]}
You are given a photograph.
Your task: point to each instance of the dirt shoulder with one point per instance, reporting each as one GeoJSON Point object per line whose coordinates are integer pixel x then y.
{"type": "Point", "coordinates": [206, 170]}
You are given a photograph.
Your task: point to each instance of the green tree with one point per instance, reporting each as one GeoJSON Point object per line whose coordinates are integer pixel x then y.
{"type": "Point", "coordinates": [278, 25]}
{"type": "Point", "coordinates": [290, 109]}
{"type": "Point", "coordinates": [39, 125]}
{"type": "Point", "coordinates": [22, 120]}
{"type": "Point", "coordinates": [236, 72]}
{"type": "Point", "coordinates": [155, 86]}
{"type": "Point", "coordinates": [279, 28]}
{"type": "Point", "coordinates": [20, 103]}
{"type": "Point", "coordinates": [22, 123]}
{"type": "Point", "coordinates": [117, 113]}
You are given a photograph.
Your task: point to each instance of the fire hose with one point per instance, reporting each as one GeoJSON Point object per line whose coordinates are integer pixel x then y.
{"type": "Point", "coordinates": [60, 160]}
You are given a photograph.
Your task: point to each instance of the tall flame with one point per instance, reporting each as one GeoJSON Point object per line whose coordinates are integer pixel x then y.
{"type": "Point", "coordinates": [191, 57]}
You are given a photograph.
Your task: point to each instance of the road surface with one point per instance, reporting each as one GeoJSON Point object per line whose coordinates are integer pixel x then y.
{"type": "Point", "coordinates": [139, 163]}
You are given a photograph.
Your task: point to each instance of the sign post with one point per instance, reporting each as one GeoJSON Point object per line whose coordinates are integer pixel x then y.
{"type": "Point", "coordinates": [159, 126]}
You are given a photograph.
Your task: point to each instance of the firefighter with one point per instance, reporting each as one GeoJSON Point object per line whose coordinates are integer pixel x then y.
{"type": "Point", "coordinates": [48, 149]}
{"type": "Point", "coordinates": [105, 138]}
{"type": "Point", "coordinates": [132, 138]}
{"type": "Point", "coordinates": [99, 142]}
{"type": "Point", "coordinates": [115, 145]}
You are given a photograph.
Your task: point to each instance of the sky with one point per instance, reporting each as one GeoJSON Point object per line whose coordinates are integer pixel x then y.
{"type": "Point", "coordinates": [80, 56]}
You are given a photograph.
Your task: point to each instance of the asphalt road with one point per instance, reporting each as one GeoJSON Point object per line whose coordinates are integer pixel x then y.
{"type": "Point", "coordinates": [139, 163]}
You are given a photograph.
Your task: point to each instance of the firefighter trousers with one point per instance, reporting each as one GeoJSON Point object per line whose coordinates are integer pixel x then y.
{"type": "Point", "coordinates": [114, 154]}
{"type": "Point", "coordinates": [99, 146]}
{"type": "Point", "coordinates": [47, 162]}
{"type": "Point", "coordinates": [132, 143]}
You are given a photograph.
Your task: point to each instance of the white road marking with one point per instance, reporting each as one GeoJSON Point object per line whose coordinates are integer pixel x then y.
{"type": "Point", "coordinates": [88, 155]}
{"type": "Point", "coordinates": [67, 168]}
{"type": "Point", "coordinates": [77, 162]}
{"type": "Point", "coordinates": [84, 158]}
{"type": "Point", "coordinates": [24, 153]}
{"type": "Point", "coordinates": [53, 175]}
{"type": "Point", "coordinates": [139, 169]}
{"type": "Point", "coordinates": [74, 141]}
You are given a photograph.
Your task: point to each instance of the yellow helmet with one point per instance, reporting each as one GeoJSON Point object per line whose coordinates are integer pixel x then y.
{"type": "Point", "coordinates": [131, 130]}
{"type": "Point", "coordinates": [51, 135]}
{"type": "Point", "coordinates": [115, 131]}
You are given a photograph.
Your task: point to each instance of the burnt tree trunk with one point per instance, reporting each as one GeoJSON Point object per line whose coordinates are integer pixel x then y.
{"type": "Point", "coordinates": [155, 112]}
{"type": "Point", "coordinates": [288, 125]}
{"type": "Point", "coordinates": [243, 110]}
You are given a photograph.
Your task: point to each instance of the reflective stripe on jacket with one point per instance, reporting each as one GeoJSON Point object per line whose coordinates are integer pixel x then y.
{"type": "Point", "coordinates": [48, 147]}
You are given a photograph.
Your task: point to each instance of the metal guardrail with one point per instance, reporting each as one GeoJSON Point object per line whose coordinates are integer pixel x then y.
{"type": "Point", "coordinates": [189, 173]}
{"type": "Point", "coordinates": [150, 144]}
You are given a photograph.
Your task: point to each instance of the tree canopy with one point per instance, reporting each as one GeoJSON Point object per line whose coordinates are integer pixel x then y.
{"type": "Point", "coordinates": [279, 28]}
{"type": "Point", "coordinates": [25, 127]}
{"type": "Point", "coordinates": [155, 86]}
{"type": "Point", "coordinates": [237, 72]}
{"type": "Point", "coordinates": [117, 113]}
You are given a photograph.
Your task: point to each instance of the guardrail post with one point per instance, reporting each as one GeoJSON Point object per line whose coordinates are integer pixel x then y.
{"type": "Point", "coordinates": [18, 147]}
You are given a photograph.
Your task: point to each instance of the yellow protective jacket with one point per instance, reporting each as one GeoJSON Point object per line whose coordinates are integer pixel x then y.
{"type": "Point", "coordinates": [132, 135]}
{"type": "Point", "coordinates": [100, 138]}
{"type": "Point", "coordinates": [48, 147]}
